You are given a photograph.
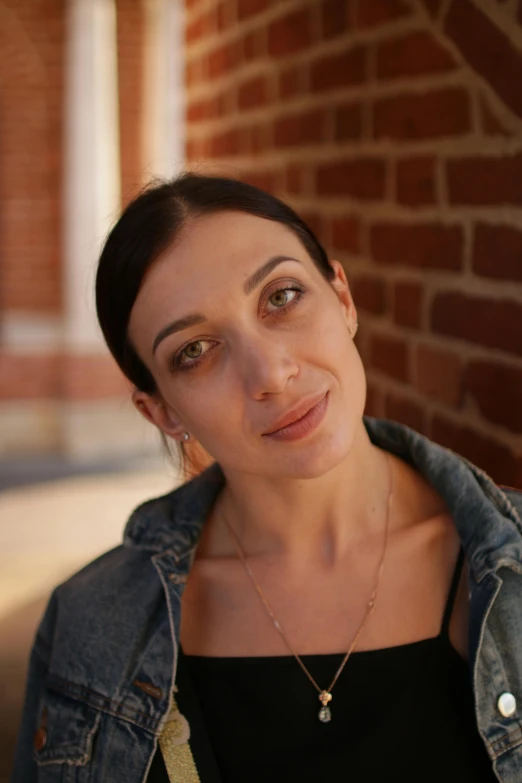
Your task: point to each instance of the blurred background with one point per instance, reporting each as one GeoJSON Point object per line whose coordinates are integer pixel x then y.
{"type": "Point", "coordinates": [393, 126]}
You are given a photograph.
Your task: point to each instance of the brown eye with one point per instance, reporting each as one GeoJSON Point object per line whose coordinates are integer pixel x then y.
{"type": "Point", "coordinates": [193, 351]}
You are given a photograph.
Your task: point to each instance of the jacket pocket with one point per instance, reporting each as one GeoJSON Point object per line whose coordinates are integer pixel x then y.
{"type": "Point", "coordinates": [64, 739]}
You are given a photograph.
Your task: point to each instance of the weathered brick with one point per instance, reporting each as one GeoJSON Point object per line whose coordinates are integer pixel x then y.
{"type": "Point", "coordinates": [334, 17]}
{"type": "Point", "coordinates": [198, 111]}
{"type": "Point", "coordinates": [414, 54]}
{"type": "Point", "coordinates": [491, 124]}
{"type": "Point", "coordinates": [363, 178]}
{"type": "Point", "coordinates": [497, 252]}
{"type": "Point", "coordinates": [497, 390]}
{"type": "Point", "coordinates": [369, 293]}
{"type": "Point", "coordinates": [346, 233]}
{"type": "Point", "coordinates": [439, 375]}
{"type": "Point", "coordinates": [405, 411]}
{"type": "Point", "coordinates": [247, 8]}
{"type": "Point", "coordinates": [486, 181]}
{"type": "Point", "coordinates": [373, 405]}
{"type": "Point", "coordinates": [416, 181]}
{"type": "Point", "coordinates": [414, 116]}
{"type": "Point", "coordinates": [290, 33]}
{"type": "Point", "coordinates": [488, 50]}
{"type": "Point", "coordinates": [31, 376]}
{"type": "Point", "coordinates": [495, 323]}
{"type": "Point", "coordinates": [371, 13]}
{"type": "Point", "coordinates": [497, 460]}
{"type": "Point", "coordinates": [390, 356]}
{"type": "Point", "coordinates": [295, 178]}
{"type": "Point", "coordinates": [225, 143]}
{"type": "Point", "coordinates": [266, 180]}
{"type": "Point", "coordinates": [407, 304]}
{"type": "Point", "coordinates": [425, 245]}
{"type": "Point", "coordinates": [302, 128]}
{"type": "Point", "coordinates": [290, 82]}
{"type": "Point", "coordinates": [252, 93]}
{"type": "Point", "coordinates": [348, 121]}
{"type": "Point", "coordinates": [339, 70]}
{"type": "Point", "coordinates": [315, 222]}
{"type": "Point", "coordinates": [223, 59]}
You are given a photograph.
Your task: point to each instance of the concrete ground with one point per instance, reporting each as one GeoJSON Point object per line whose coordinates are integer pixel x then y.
{"type": "Point", "coordinates": [47, 531]}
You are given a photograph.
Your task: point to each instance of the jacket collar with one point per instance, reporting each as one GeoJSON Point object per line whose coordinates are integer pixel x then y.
{"type": "Point", "coordinates": [488, 524]}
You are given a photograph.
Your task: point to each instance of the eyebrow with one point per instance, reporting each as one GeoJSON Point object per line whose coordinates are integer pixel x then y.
{"type": "Point", "coordinates": [250, 284]}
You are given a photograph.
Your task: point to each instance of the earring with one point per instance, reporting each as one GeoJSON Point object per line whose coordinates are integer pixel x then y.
{"type": "Point", "coordinates": [186, 436]}
{"type": "Point", "coordinates": [353, 329]}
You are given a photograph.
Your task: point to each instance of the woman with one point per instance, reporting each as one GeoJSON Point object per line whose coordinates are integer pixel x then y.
{"type": "Point", "coordinates": [335, 597]}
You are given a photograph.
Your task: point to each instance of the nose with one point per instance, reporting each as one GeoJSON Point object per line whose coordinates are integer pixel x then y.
{"type": "Point", "coordinates": [266, 365]}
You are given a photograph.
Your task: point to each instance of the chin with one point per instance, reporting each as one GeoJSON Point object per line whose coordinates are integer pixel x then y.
{"type": "Point", "coordinates": [313, 461]}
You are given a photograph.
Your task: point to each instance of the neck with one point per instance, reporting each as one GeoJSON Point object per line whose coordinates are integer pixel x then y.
{"type": "Point", "coordinates": [306, 519]}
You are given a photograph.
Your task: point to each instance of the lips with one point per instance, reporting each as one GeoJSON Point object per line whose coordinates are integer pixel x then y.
{"type": "Point", "coordinates": [295, 413]}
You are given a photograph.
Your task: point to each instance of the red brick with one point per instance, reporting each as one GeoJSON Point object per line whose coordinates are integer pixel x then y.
{"type": "Point", "coordinates": [92, 377]}
{"type": "Point", "coordinates": [224, 58]}
{"type": "Point", "coordinates": [252, 93]}
{"type": "Point", "coordinates": [497, 460]}
{"type": "Point", "coordinates": [265, 180]}
{"type": "Point", "coordinates": [416, 183]}
{"type": "Point", "coordinates": [207, 109]}
{"type": "Point", "coordinates": [346, 233]}
{"type": "Point", "coordinates": [405, 411]}
{"type": "Point", "coordinates": [390, 356]}
{"type": "Point", "coordinates": [197, 29]}
{"type": "Point", "coordinates": [253, 140]}
{"type": "Point", "coordinates": [415, 116]}
{"type": "Point", "coordinates": [290, 34]}
{"type": "Point", "coordinates": [490, 122]}
{"type": "Point", "coordinates": [487, 50]}
{"type": "Point", "coordinates": [485, 181]}
{"type": "Point", "coordinates": [295, 178]}
{"type": "Point", "coordinates": [363, 178]}
{"type": "Point", "coordinates": [373, 405]}
{"type": "Point", "coordinates": [290, 83]}
{"type": "Point", "coordinates": [369, 294]}
{"type": "Point", "coordinates": [247, 8]}
{"type": "Point", "coordinates": [495, 323]}
{"type": "Point", "coordinates": [424, 245]}
{"type": "Point", "coordinates": [376, 12]}
{"type": "Point", "coordinates": [225, 143]}
{"type": "Point", "coordinates": [348, 122]}
{"type": "Point", "coordinates": [497, 390]}
{"type": "Point", "coordinates": [339, 70]}
{"type": "Point", "coordinates": [414, 54]}
{"type": "Point", "coordinates": [407, 304]}
{"type": "Point", "coordinates": [439, 375]}
{"type": "Point", "coordinates": [497, 252]}
{"type": "Point", "coordinates": [29, 376]}
{"type": "Point", "coordinates": [299, 129]}
{"type": "Point", "coordinates": [334, 17]}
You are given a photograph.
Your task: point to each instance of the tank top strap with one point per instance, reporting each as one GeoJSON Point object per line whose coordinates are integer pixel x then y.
{"type": "Point", "coordinates": [452, 593]}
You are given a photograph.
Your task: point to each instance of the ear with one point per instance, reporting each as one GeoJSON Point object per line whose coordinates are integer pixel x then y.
{"type": "Point", "coordinates": [340, 285]}
{"type": "Point", "coordinates": [155, 410]}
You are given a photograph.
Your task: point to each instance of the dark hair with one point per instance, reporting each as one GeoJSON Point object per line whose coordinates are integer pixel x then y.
{"type": "Point", "coordinates": [149, 225]}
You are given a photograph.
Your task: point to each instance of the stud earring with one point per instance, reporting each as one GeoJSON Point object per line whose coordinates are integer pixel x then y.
{"type": "Point", "coordinates": [353, 329]}
{"type": "Point", "coordinates": [186, 436]}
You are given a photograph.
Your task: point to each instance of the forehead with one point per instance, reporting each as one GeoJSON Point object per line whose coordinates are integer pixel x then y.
{"type": "Point", "coordinates": [214, 252]}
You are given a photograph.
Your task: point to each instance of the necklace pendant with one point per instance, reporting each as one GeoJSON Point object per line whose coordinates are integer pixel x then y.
{"type": "Point", "coordinates": [325, 713]}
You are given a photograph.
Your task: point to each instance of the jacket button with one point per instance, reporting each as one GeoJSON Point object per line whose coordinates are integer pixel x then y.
{"type": "Point", "coordinates": [40, 739]}
{"type": "Point", "coordinates": [507, 705]}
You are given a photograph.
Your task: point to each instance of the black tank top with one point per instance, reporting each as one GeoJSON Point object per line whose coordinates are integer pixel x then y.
{"type": "Point", "coordinates": [400, 713]}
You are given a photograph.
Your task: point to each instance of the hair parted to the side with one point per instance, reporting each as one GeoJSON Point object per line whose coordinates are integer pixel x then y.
{"type": "Point", "coordinates": [149, 225]}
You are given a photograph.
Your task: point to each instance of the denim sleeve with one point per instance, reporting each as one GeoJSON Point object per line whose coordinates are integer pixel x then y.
{"type": "Point", "coordinates": [25, 768]}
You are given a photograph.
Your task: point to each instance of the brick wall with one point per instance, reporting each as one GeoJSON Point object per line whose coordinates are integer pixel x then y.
{"type": "Point", "coordinates": [395, 127]}
{"type": "Point", "coordinates": [31, 87]}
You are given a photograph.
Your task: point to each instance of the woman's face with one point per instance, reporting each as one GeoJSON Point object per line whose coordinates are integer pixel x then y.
{"type": "Point", "coordinates": [243, 336]}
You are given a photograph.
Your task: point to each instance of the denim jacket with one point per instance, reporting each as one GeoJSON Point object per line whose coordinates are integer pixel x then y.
{"type": "Point", "coordinates": [103, 665]}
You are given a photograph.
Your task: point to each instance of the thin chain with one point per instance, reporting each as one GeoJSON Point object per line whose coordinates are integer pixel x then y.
{"type": "Point", "coordinates": [371, 602]}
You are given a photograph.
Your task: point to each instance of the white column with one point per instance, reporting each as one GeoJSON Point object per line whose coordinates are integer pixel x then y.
{"type": "Point", "coordinates": [92, 166]}
{"type": "Point", "coordinates": [163, 130]}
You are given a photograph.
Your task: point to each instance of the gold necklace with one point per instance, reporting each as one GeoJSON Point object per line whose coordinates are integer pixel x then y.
{"type": "Point", "coordinates": [325, 696]}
